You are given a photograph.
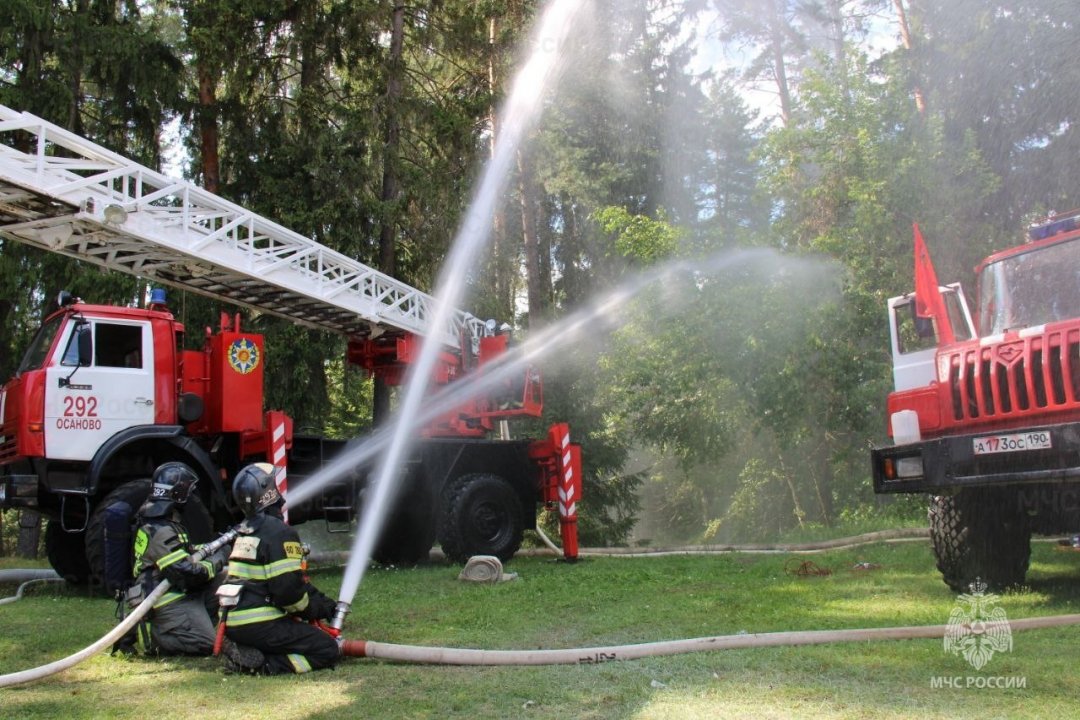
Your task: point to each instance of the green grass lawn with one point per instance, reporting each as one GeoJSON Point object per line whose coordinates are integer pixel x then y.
{"type": "Point", "coordinates": [596, 602]}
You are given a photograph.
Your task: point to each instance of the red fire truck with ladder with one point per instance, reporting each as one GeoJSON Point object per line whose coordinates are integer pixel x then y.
{"type": "Point", "coordinates": [985, 415]}
{"type": "Point", "coordinates": [104, 394]}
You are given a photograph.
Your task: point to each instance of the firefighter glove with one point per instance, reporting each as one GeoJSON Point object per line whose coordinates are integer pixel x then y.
{"type": "Point", "coordinates": [218, 561]}
{"type": "Point", "coordinates": [320, 607]}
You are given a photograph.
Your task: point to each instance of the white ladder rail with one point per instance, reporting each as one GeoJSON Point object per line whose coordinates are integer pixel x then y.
{"type": "Point", "coordinates": [181, 235]}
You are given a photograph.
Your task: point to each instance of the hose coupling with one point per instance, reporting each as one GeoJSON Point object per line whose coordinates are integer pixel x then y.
{"type": "Point", "coordinates": [340, 611]}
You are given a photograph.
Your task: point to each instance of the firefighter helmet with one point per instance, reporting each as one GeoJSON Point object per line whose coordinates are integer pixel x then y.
{"type": "Point", "coordinates": [255, 490]}
{"type": "Point", "coordinates": [172, 485]}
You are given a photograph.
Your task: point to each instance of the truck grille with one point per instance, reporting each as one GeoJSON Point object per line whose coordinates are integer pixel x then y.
{"type": "Point", "coordinates": [1014, 378]}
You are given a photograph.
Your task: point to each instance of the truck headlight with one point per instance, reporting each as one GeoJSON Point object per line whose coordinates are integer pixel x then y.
{"type": "Point", "coordinates": [909, 467]}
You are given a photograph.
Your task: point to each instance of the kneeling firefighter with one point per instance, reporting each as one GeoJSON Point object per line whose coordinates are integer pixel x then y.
{"type": "Point", "coordinates": [182, 621]}
{"type": "Point", "coordinates": [266, 591]}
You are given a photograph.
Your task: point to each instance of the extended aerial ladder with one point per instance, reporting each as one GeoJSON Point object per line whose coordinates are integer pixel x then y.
{"type": "Point", "coordinates": [65, 194]}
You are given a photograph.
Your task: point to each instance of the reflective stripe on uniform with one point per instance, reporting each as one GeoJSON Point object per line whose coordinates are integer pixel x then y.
{"type": "Point", "coordinates": [172, 558]}
{"type": "Point", "coordinates": [246, 571]}
{"type": "Point", "coordinates": [299, 605]}
{"type": "Point", "coordinates": [169, 597]}
{"type": "Point", "coordinates": [142, 540]}
{"type": "Point", "coordinates": [248, 616]}
{"type": "Point", "coordinates": [299, 662]}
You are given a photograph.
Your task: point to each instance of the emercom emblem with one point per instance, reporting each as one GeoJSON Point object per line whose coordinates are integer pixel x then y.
{"type": "Point", "coordinates": [977, 627]}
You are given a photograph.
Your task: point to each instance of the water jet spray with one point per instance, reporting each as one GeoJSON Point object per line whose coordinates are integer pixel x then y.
{"type": "Point", "coordinates": [519, 113]}
{"type": "Point", "coordinates": [548, 341]}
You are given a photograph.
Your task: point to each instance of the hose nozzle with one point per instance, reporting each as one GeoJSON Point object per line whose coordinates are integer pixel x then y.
{"type": "Point", "coordinates": [340, 611]}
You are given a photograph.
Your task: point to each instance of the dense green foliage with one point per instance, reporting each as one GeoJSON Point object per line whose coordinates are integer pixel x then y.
{"type": "Point", "coordinates": [736, 394]}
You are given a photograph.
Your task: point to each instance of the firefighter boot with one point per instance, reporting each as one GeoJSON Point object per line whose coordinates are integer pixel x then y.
{"type": "Point", "coordinates": [241, 659]}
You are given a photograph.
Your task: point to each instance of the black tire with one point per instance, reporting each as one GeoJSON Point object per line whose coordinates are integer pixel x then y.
{"type": "Point", "coordinates": [67, 553]}
{"type": "Point", "coordinates": [980, 535]}
{"type": "Point", "coordinates": [481, 516]}
{"type": "Point", "coordinates": [195, 517]}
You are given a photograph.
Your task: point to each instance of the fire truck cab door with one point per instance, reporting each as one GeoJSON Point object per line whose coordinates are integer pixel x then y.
{"type": "Point", "coordinates": [914, 340]}
{"type": "Point", "coordinates": [86, 404]}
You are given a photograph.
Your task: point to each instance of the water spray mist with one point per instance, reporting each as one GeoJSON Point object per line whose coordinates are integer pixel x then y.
{"type": "Point", "coordinates": [519, 113]}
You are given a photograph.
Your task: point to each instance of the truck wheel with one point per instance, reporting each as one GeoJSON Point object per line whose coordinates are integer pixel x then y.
{"type": "Point", "coordinates": [67, 553]}
{"type": "Point", "coordinates": [481, 516]}
{"type": "Point", "coordinates": [979, 535]}
{"type": "Point", "coordinates": [195, 517]}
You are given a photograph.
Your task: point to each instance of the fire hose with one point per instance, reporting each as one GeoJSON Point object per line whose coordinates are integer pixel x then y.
{"type": "Point", "coordinates": [593, 655]}
{"type": "Point", "coordinates": [26, 577]}
{"type": "Point", "coordinates": [574, 656]}
{"type": "Point", "coordinates": [901, 535]}
{"type": "Point", "coordinates": [22, 588]}
{"type": "Point", "coordinates": [31, 576]}
{"type": "Point", "coordinates": [117, 632]}
{"type": "Point", "coordinates": [879, 536]}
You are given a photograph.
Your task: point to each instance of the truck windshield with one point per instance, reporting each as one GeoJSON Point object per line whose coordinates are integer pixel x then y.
{"type": "Point", "coordinates": [39, 348]}
{"type": "Point", "coordinates": [1031, 288]}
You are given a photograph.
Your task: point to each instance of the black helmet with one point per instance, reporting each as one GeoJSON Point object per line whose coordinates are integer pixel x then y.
{"type": "Point", "coordinates": [172, 485]}
{"type": "Point", "coordinates": [254, 489]}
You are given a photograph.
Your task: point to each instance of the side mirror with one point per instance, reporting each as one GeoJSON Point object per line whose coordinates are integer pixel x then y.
{"type": "Point", "coordinates": [85, 339]}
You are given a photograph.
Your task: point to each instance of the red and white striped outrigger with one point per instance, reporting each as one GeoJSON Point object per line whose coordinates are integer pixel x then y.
{"type": "Point", "coordinates": [561, 462]}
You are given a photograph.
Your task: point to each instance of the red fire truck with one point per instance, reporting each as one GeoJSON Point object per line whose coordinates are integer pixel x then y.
{"type": "Point", "coordinates": [105, 394]}
{"type": "Point", "coordinates": [985, 415]}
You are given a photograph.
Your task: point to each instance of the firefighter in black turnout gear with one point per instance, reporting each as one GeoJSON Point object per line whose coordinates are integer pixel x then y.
{"type": "Point", "coordinates": [274, 601]}
{"type": "Point", "coordinates": [182, 621]}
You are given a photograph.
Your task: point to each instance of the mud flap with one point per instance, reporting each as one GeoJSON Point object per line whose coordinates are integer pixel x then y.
{"type": "Point", "coordinates": [118, 552]}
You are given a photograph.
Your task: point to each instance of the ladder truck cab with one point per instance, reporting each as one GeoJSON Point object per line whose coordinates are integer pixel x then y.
{"type": "Point", "coordinates": [985, 414]}
{"type": "Point", "coordinates": [104, 394]}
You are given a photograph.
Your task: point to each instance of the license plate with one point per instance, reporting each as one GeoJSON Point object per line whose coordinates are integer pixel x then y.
{"type": "Point", "coordinates": [1016, 442]}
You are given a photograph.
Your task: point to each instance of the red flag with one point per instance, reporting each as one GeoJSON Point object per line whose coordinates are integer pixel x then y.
{"type": "Point", "coordinates": [928, 300]}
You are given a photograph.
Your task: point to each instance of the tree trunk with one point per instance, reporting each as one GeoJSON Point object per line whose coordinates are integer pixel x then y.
{"type": "Point", "coordinates": [309, 58]}
{"type": "Point", "coordinates": [779, 67]}
{"type": "Point", "coordinates": [208, 128]}
{"type": "Point", "coordinates": [905, 37]}
{"type": "Point", "coordinates": [391, 140]}
{"type": "Point", "coordinates": [834, 8]}
{"type": "Point", "coordinates": [7, 344]}
{"type": "Point", "coordinates": [78, 49]}
{"type": "Point", "coordinates": [796, 505]}
{"type": "Point", "coordinates": [537, 294]}
{"type": "Point", "coordinates": [571, 249]}
{"type": "Point", "coordinates": [28, 79]}
{"type": "Point", "coordinates": [499, 280]}
{"type": "Point", "coordinates": [544, 234]}
{"type": "Point", "coordinates": [823, 483]}
{"type": "Point", "coordinates": [391, 184]}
